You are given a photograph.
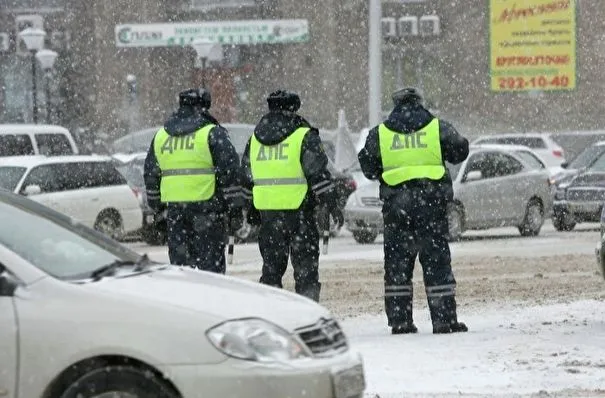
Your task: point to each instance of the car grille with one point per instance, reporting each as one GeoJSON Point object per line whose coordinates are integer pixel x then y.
{"type": "Point", "coordinates": [372, 202]}
{"type": "Point", "coordinates": [324, 339]}
{"type": "Point", "coordinates": [585, 195]}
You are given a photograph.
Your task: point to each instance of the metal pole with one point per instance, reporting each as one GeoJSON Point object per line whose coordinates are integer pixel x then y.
{"type": "Point", "coordinates": [375, 63]}
{"type": "Point", "coordinates": [203, 72]}
{"type": "Point", "coordinates": [34, 88]}
{"type": "Point", "coordinates": [399, 71]}
{"type": "Point", "coordinates": [47, 89]}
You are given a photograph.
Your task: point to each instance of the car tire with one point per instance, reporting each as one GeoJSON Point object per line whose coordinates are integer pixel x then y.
{"type": "Point", "coordinates": [154, 236]}
{"type": "Point", "coordinates": [455, 223]}
{"type": "Point", "coordinates": [109, 223]}
{"type": "Point", "coordinates": [563, 222]}
{"type": "Point", "coordinates": [122, 381]}
{"type": "Point", "coordinates": [533, 220]}
{"type": "Point", "coordinates": [365, 236]}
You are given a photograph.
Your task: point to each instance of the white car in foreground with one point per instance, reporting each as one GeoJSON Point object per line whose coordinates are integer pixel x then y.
{"type": "Point", "coordinates": [83, 316]}
{"type": "Point", "coordinates": [497, 186]}
{"type": "Point", "coordinates": [86, 188]}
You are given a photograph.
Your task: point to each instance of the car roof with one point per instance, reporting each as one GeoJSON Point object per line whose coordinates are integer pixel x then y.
{"type": "Point", "coordinates": [515, 135]}
{"type": "Point", "coordinates": [31, 128]}
{"type": "Point", "coordinates": [32, 161]}
{"type": "Point", "coordinates": [503, 147]}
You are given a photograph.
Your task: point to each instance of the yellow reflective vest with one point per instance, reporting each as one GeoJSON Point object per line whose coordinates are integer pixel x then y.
{"type": "Point", "coordinates": [187, 166]}
{"type": "Point", "coordinates": [411, 156]}
{"type": "Point", "coordinates": [277, 173]}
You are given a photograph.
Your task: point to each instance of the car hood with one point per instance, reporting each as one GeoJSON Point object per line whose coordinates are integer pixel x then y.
{"type": "Point", "coordinates": [369, 190]}
{"type": "Point", "coordinates": [223, 297]}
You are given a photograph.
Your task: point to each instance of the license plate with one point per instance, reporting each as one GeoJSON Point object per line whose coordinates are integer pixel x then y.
{"type": "Point", "coordinates": [349, 383]}
{"type": "Point", "coordinates": [586, 207]}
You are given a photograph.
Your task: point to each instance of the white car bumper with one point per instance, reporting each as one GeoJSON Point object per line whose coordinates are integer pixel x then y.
{"type": "Point", "coordinates": [338, 377]}
{"type": "Point", "coordinates": [132, 219]}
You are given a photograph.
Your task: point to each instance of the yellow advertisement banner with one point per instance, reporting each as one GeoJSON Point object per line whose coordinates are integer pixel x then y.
{"type": "Point", "coordinates": [532, 45]}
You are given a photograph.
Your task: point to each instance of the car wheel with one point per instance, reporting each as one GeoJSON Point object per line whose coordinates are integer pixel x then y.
{"type": "Point", "coordinates": [455, 222]}
{"type": "Point", "coordinates": [365, 236]}
{"type": "Point", "coordinates": [563, 222]}
{"type": "Point", "coordinates": [534, 219]}
{"type": "Point", "coordinates": [154, 236]}
{"type": "Point", "coordinates": [118, 381]}
{"type": "Point", "coordinates": [109, 223]}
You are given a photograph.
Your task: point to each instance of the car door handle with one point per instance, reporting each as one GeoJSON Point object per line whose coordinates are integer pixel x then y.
{"type": "Point", "coordinates": [94, 200]}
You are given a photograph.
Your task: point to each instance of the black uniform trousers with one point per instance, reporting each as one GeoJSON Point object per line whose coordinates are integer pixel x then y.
{"type": "Point", "coordinates": [417, 227]}
{"type": "Point", "coordinates": [291, 234]}
{"type": "Point", "coordinates": [196, 238]}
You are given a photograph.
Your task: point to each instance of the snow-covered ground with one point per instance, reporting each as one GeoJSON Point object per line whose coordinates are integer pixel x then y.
{"type": "Point", "coordinates": [508, 350]}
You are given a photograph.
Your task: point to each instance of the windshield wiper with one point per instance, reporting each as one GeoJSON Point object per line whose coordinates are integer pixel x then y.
{"type": "Point", "coordinates": [110, 269]}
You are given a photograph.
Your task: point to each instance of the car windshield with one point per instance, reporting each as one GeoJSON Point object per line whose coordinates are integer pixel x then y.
{"type": "Point", "coordinates": [239, 137]}
{"type": "Point", "coordinates": [10, 176]}
{"type": "Point", "coordinates": [586, 157]}
{"type": "Point", "coordinates": [54, 243]}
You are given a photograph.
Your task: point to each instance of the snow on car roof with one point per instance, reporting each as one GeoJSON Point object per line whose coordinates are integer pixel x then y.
{"type": "Point", "coordinates": [30, 128]}
{"type": "Point", "coordinates": [502, 147]}
{"type": "Point", "coordinates": [32, 161]}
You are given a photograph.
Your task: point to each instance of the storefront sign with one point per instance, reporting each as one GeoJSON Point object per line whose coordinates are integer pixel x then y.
{"type": "Point", "coordinates": [532, 45]}
{"type": "Point", "coordinates": [223, 32]}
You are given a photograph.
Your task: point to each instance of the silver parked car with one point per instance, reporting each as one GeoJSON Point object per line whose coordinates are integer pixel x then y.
{"type": "Point", "coordinates": [497, 186]}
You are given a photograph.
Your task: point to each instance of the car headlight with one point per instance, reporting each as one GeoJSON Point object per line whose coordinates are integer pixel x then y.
{"type": "Point", "coordinates": [256, 340]}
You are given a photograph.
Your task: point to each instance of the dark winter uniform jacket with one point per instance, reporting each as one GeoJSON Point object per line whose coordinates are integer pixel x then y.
{"type": "Point", "coordinates": [408, 119]}
{"type": "Point", "coordinates": [187, 120]}
{"type": "Point", "coordinates": [273, 128]}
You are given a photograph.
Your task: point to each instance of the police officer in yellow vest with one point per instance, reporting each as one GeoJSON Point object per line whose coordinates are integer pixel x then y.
{"type": "Point", "coordinates": [286, 177]}
{"type": "Point", "coordinates": [193, 169]}
{"type": "Point", "coordinates": [407, 154]}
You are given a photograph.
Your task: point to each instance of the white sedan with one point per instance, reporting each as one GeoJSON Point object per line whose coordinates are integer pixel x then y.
{"type": "Point", "coordinates": [82, 316]}
{"type": "Point", "coordinates": [497, 186]}
{"type": "Point", "coordinates": [87, 188]}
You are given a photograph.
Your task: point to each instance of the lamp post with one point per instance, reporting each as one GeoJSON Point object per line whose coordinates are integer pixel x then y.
{"type": "Point", "coordinates": [204, 48]}
{"type": "Point", "coordinates": [34, 41]}
{"type": "Point", "coordinates": [375, 62]}
{"type": "Point", "coordinates": [47, 61]}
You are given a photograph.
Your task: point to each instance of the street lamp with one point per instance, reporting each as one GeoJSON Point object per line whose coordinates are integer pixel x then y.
{"type": "Point", "coordinates": [47, 61]}
{"type": "Point", "coordinates": [34, 41]}
{"type": "Point", "coordinates": [204, 48]}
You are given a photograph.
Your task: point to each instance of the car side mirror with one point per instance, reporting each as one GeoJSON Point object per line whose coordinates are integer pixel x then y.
{"type": "Point", "coordinates": [7, 284]}
{"type": "Point", "coordinates": [474, 175]}
{"type": "Point", "coordinates": [32, 190]}
{"type": "Point", "coordinates": [564, 165]}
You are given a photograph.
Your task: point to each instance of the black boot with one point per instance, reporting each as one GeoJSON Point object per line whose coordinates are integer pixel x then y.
{"type": "Point", "coordinates": [311, 292]}
{"type": "Point", "coordinates": [444, 317]}
{"type": "Point", "coordinates": [404, 328]}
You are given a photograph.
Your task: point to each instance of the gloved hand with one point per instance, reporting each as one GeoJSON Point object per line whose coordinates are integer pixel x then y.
{"type": "Point", "coordinates": [236, 220]}
{"type": "Point", "coordinates": [337, 215]}
{"type": "Point", "coordinates": [253, 216]}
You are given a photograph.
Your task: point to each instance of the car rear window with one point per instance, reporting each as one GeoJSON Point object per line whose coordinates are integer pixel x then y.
{"type": "Point", "coordinates": [16, 145]}
{"type": "Point", "coordinates": [54, 144]}
{"type": "Point", "coordinates": [530, 159]}
{"type": "Point", "coordinates": [531, 142]}
{"type": "Point", "coordinates": [10, 176]}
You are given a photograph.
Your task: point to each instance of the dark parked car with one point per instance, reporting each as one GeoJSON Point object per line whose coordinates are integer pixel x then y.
{"type": "Point", "coordinates": [579, 200]}
{"type": "Point", "coordinates": [592, 157]}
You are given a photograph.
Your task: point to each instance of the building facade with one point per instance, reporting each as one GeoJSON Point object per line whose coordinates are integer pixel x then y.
{"type": "Point", "coordinates": [89, 85]}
